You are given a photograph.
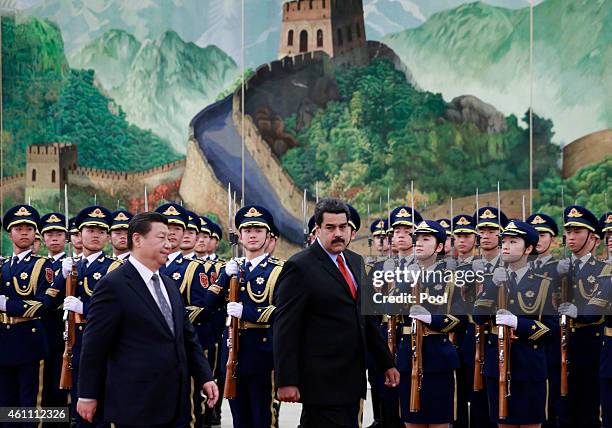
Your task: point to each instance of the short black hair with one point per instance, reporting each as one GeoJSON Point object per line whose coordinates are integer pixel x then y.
{"type": "Point", "coordinates": [141, 224]}
{"type": "Point", "coordinates": [332, 206]}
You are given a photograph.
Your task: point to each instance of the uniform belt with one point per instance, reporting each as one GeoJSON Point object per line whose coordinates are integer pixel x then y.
{"type": "Point", "coordinates": [407, 329]}
{"type": "Point", "coordinates": [246, 325]}
{"type": "Point", "coordinates": [608, 331]}
{"type": "Point", "coordinates": [5, 319]}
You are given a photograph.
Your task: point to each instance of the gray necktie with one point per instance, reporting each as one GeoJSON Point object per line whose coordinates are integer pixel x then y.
{"type": "Point", "coordinates": [162, 303]}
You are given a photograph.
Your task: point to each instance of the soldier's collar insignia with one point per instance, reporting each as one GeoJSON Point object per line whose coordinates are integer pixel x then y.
{"type": "Point", "coordinates": [444, 224]}
{"type": "Point", "coordinates": [530, 294]}
{"type": "Point", "coordinates": [101, 259]}
{"type": "Point", "coordinates": [53, 219]}
{"type": "Point", "coordinates": [538, 220]}
{"type": "Point", "coordinates": [97, 213]}
{"type": "Point", "coordinates": [121, 217]}
{"type": "Point", "coordinates": [252, 212]}
{"type": "Point", "coordinates": [22, 211]}
{"type": "Point", "coordinates": [27, 258]}
{"type": "Point", "coordinates": [171, 210]}
{"type": "Point", "coordinates": [574, 213]}
{"type": "Point", "coordinates": [179, 260]}
{"type": "Point", "coordinates": [463, 221]}
{"type": "Point", "coordinates": [403, 213]}
{"type": "Point", "coordinates": [259, 280]}
{"type": "Point", "coordinates": [487, 214]}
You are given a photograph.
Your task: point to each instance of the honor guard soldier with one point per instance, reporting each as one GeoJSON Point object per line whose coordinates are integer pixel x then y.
{"type": "Point", "coordinates": [93, 224]}
{"type": "Point", "coordinates": [37, 243]}
{"type": "Point", "coordinates": [378, 229]}
{"type": "Point", "coordinates": [437, 356]}
{"type": "Point", "coordinates": [586, 275]}
{"type": "Point", "coordinates": [601, 305]}
{"type": "Point", "coordinates": [191, 280]}
{"type": "Point", "coordinates": [274, 237]}
{"type": "Point", "coordinates": [527, 295]}
{"type": "Point", "coordinates": [487, 220]}
{"type": "Point", "coordinates": [464, 231]}
{"type": "Point", "coordinates": [118, 234]}
{"type": "Point", "coordinates": [75, 238]}
{"type": "Point", "coordinates": [255, 404]}
{"type": "Point", "coordinates": [545, 264]}
{"type": "Point", "coordinates": [312, 230]}
{"type": "Point", "coordinates": [216, 236]}
{"type": "Point", "coordinates": [52, 227]}
{"type": "Point", "coordinates": [354, 222]}
{"type": "Point", "coordinates": [202, 243]}
{"type": "Point", "coordinates": [25, 280]}
{"type": "Point", "coordinates": [446, 224]}
{"type": "Point", "coordinates": [190, 236]}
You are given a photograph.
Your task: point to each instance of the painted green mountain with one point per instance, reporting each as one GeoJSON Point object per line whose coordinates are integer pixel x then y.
{"type": "Point", "coordinates": [45, 101]}
{"type": "Point", "coordinates": [484, 50]}
{"type": "Point", "coordinates": [160, 84]}
{"type": "Point", "coordinates": [384, 132]}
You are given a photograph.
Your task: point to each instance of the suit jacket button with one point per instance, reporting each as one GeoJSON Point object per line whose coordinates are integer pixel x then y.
{"type": "Point", "coordinates": [8, 327]}
{"type": "Point", "coordinates": [34, 330]}
{"type": "Point", "coordinates": [535, 346]}
{"type": "Point", "coordinates": [265, 339]}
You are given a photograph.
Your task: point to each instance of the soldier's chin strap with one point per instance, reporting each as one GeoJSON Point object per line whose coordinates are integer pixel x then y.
{"type": "Point", "coordinates": [586, 241]}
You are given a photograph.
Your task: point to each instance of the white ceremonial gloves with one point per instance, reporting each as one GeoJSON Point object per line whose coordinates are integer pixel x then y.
{"type": "Point", "coordinates": [73, 304]}
{"type": "Point", "coordinates": [234, 309]}
{"type": "Point", "coordinates": [505, 317]}
{"type": "Point", "coordinates": [418, 312]}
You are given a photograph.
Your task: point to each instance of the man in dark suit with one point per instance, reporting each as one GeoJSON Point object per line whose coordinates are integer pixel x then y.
{"type": "Point", "coordinates": [320, 335]}
{"type": "Point", "coordinates": [139, 348]}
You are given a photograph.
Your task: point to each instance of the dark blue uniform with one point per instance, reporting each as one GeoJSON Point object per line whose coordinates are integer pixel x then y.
{"type": "Point", "coordinates": [440, 357]}
{"type": "Point", "coordinates": [256, 404]}
{"type": "Point", "coordinates": [23, 338]}
{"type": "Point", "coordinates": [601, 305]}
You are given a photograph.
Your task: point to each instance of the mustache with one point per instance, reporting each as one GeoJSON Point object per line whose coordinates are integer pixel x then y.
{"type": "Point", "coordinates": [336, 240]}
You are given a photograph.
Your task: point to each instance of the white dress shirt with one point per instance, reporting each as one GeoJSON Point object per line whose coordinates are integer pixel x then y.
{"type": "Point", "coordinates": [146, 274]}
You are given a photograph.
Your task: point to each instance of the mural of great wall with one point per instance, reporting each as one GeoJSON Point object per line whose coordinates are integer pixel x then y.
{"type": "Point", "coordinates": [315, 39]}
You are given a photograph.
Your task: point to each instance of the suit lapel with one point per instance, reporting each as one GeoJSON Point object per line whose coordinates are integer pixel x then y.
{"type": "Point", "coordinates": [138, 285]}
{"type": "Point", "coordinates": [331, 267]}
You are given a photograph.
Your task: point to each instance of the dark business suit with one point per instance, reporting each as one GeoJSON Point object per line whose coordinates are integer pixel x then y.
{"type": "Point", "coordinates": [131, 360]}
{"type": "Point", "coordinates": [320, 338]}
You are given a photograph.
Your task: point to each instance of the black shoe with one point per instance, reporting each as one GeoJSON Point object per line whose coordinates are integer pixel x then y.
{"type": "Point", "coordinates": [216, 418]}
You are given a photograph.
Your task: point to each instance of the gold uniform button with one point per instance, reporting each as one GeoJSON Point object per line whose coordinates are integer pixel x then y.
{"type": "Point", "coordinates": [512, 301]}
{"type": "Point", "coordinates": [34, 330]}
{"type": "Point", "coordinates": [25, 305]}
{"type": "Point", "coordinates": [597, 334]}
{"type": "Point", "coordinates": [241, 288]}
{"type": "Point", "coordinates": [8, 327]}
{"type": "Point", "coordinates": [80, 328]}
{"type": "Point", "coordinates": [8, 283]}
{"type": "Point", "coordinates": [265, 339]}
{"type": "Point", "coordinates": [535, 346]}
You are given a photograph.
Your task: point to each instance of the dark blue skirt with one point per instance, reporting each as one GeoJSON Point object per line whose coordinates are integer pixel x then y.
{"type": "Point", "coordinates": [526, 403]}
{"type": "Point", "coordinates": [438, 398]}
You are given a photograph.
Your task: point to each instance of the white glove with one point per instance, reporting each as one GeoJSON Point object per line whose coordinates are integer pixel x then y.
{"type": "Point", "coordinates": [73, 304]}
{"type": "Point", "coordinates": [418, 312]}
{"type": "Point", "coordinates": [67, 266]}
{"type": "Point", "coordinates": [499, 276]}
{"type": "Point", "coordinates": [568, 309]}
{"type": "Point", "coordinates": [231, 268]}
{"type": "Point", "coordinates": [504, 317]}
{"type": "Point", "coordinates": [478, 265]}
{"type": "Point", "coordinates": [234, 309]}
{"type": "Point", "coordinates": [2, 302]}
{"type": "Point", "coordinates": [563, 266]}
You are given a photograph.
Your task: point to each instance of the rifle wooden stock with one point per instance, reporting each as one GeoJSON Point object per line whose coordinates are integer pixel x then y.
{"type": "Point", "coordinates": [479, 358]}
{"type": "Point", "coordinates": [564, 331]}
{"type": "Point", "coordinates": [69, 334]}
{"type": "Point", "coordinates": [503, 351]}
{"type": "Point", "coordinates": [416, 375]}
{"type": "Point", "coordinates": [392, 334]}
{"type": "Point", "coordinates": [230, 386]}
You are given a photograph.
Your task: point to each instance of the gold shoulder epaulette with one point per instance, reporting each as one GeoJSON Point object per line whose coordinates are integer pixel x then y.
{"type": "Point", "coordinates": [275, 261]}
